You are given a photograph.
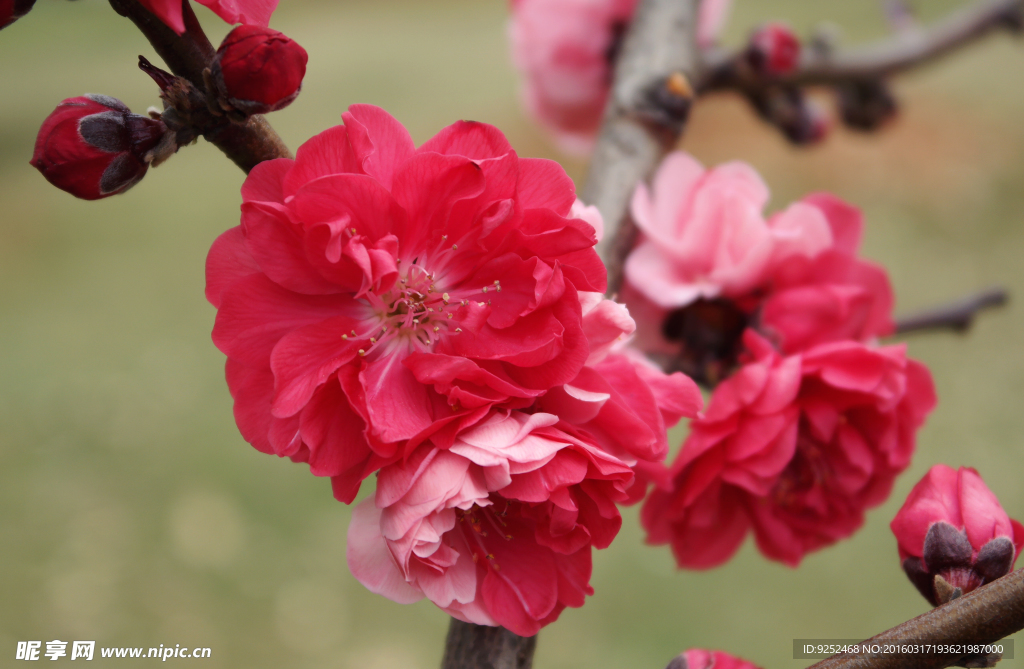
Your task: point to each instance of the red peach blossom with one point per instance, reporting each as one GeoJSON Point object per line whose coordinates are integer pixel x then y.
{"type": "Point", "coordinates": [832, 295]}
{"type": "Point", "coordinates": [376, 293]}
{"type": "Point", "coordinates": [497, 528]}
{"type": "Point", "coordinates": [795, 448]}
{"type": "Point", "coordinates": [248, 12]}
{"type": "Point", "coordinates": [697, 658]}
{"type": "Point", "coordinates": [953, 526]}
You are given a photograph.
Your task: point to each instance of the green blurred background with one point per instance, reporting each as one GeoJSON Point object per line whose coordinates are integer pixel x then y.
{"type": "Point", "coordinates": [134, 514]}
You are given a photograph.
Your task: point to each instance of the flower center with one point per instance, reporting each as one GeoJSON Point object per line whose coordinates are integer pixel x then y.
{"type": "Point", "coordinates": [416, 312]}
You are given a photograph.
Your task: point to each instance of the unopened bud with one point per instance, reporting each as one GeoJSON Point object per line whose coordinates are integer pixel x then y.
{"type": "Point", "coordinates": [257, 70]}
{"type": "Point", "coordinates": [799, 118]}
{"type": "Point", "coordinates": [866, 105]}
{"type": "Point", "coordinates": [93, 146]}
{"type": "Point", "coordinates": [774, 49]}
{"type": "Point", "coordinates": [953, 534]}
{"type": "Point", "coordinates": [12, 10]}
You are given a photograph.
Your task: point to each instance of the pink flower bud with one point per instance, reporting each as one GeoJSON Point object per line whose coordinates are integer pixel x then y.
{"type": "Point", "coordinates": [93, 146]}
{"type": "Point", "coordinates": [953, 527]}
{"type": "Point", "coordinates": [258, 70]}
{"type": "Point", "coordinates": [12, 10]}
{"type": "Point", "coordinates": [774, 49]}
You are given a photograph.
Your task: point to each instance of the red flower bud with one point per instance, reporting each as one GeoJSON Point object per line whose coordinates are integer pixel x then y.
{"type": "Point", "coordinates": [93, 146]}
{"type": "Point", "coordinates": [954, 535]}
{"type": "Point", "coordinates": [12, 10]}
{"type": "Point", "coordinates": [697, 658]}
{"type": "Point", "coordinates": [258, 70]}
{"type": "Point", "coordinates": [774, 49]}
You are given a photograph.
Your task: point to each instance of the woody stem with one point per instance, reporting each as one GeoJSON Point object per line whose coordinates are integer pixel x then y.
{"type": "Point", "coordinates": [187, 55]}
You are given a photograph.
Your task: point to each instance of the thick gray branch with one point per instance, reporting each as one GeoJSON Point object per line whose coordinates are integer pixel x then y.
{"type": "Point", "coordinates": [470, 646]}
{"type": "Point", "coordinates": [636, 132]}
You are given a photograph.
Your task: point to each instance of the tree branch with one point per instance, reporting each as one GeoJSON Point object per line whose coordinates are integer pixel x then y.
{"type": "Point", "coordinates": [957, 316]}
{"type": "Point", "coordinates": [986, 615]}
{"type": "Point", "coordinates": [188, 55]}
{"type": "Point", "coordinates": [644, 119]}
{"type": "Point", "coordinates": [470, 646]}
{"type": "Point", "coordinates": [875, 61]}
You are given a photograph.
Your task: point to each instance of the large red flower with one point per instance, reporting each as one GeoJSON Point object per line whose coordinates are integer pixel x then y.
{"type": "Point", "coordinates": [493, 518]}
{"type": "Point", "coordinates": [794, 447]}
{"type": "Point", "coordinates": [376, 293]}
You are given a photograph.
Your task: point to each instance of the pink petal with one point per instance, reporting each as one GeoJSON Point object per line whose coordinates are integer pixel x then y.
{"type": "Point", "coordinates": [369, 559]}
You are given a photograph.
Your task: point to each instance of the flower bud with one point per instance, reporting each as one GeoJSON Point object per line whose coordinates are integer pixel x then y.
{"type": "Point", "coordinates": [866, 105]}
{"type": "Point", "coordinates": [12, 10]}
{"type": "Point", "coordinates": [799, 118]}
{"type": "Point", "coordinates": [93, 146]}
{"type": "Point", "coordinates": [257, 70]}
{"type": "Point", "coordinates": [697, 658]}
{"type": "Point", "coordinates": [774, 49]}
{"type": "Point", "coordinates": [953, 535]}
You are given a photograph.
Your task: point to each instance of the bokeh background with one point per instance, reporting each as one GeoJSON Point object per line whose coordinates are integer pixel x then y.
{"type": "Point", "coordinates": [131, 511]}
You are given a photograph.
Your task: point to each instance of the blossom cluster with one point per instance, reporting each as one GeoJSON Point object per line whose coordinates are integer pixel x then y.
{"type": "Point", "coordinates": [811, 419]}
{"type": "Point", "coordinates": [434, 315]}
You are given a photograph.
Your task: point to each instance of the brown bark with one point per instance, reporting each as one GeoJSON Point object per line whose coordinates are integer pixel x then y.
{"type": "Point", "coordinates": [470, 646]}
{"type": "Point", "coordinates": [986, 615]}
{"type": "Point", "coordinates": [639, 128]}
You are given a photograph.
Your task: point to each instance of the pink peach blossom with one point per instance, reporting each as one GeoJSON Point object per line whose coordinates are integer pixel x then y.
{"type": "Point", "coordinates": [493, 516]}
{"type": "Point", "coordinates": [376, 293]}
{"type": "Point", "coordinates": [953, 526]}
{"type": "Point", "coordinates": [709, 264]}
{"type": "Point", "coordinates": [497, 529]}
{"type": "Point", "coordinates": [711, 18]}
{"type": "Point", "coordinates": [795, 448]}
{"type": "Point", "coordinates": [565, 50]}
{"type": "Point", "coordinates": [248, 12]}
{"type": "Point", "coordinates": [705, 235]}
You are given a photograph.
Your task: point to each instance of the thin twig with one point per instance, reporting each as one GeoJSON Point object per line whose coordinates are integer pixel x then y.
{"type": "Point", "coordinates": [957, 316]}
{"type": "Point", "coordinates": [644, 118]}
{"type": "Point", "coordinates": [470, 646]}
{"type": "Point", "coordinates": [875, 61]}
{"type": "Point", "coordinates": [984, 616]}
{"type": "Point", "coordinates": [188, 55]}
